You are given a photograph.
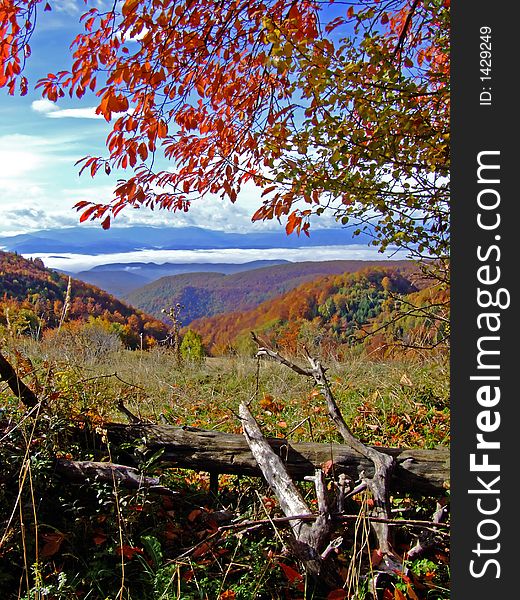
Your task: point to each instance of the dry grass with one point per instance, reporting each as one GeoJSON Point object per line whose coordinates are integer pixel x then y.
{"type": "Point", "coordinates": [390, 403]}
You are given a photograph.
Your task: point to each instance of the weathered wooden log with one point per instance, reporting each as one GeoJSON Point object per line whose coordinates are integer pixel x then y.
{"type": "Point", "coordinates": [417, 470]}
{"type": "Point", "coordinates": [80, 471]}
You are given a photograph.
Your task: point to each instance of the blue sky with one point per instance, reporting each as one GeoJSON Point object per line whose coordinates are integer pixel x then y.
{"type": "Point", "coordinates": [40, 142]}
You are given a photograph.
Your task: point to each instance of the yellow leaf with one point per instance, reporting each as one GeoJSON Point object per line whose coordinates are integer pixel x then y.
{"type": "Point", "coordinates": [405, 380]}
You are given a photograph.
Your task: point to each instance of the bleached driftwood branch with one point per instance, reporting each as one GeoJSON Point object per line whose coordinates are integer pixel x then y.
{"type": "Point", "coordinates": [311, 539]}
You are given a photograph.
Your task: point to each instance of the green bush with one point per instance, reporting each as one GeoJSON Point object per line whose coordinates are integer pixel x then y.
{"type": "Point", "coordinates": [191, 346]}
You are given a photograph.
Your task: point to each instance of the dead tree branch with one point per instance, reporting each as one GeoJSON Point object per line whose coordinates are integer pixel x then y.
{"type": "Point", "coordinates": [18, 387]}
{"type": "Point", "coordinates": [379, 482]}
{"type": "Point", "coordinates": [80, 471]}
{"type": "Point", "coordinates": [310, 539]}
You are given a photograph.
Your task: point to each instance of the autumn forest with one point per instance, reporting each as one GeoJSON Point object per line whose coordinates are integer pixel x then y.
{"type": "Point", "coordinates": [279, 432]}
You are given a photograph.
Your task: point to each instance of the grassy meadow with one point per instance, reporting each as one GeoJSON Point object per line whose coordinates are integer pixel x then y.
{"type": "Point", "coordinates": [98, 541]}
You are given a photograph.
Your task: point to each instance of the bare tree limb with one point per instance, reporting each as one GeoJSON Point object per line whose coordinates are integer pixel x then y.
{"type": "Point", "coordinates": [18, 387]}
{"type": "Point", "coordinates": [273, 469]}
{"type": "Point", "coordinates": [379, 482]}
{"type": "Point", "coordinates": [428, 538]}
{"type": "Point", "coordinates": [82, 470]}
{"type": "Point", "coordinates": [309, 538]}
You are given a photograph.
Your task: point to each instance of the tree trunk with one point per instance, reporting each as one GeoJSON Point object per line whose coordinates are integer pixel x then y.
{"type": "Point", "coordinates": [417, 470]}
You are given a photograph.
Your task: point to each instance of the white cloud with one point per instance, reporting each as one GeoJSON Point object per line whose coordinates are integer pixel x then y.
{"type": "Point", "coordinates": [43, 106]}
{"type": "Point", "coordinates": [88, 112]}
{"type": "Point", "coordinates": [67, 6]}
{"type": "Point", "coordinates": [80, 262]}
{"type": "Point", "coordinates": [16, 162]}
{"type": "Point", "coordinates": [28, 219]}
{"type": "Point", "coordinates": [53, 111]}
{"type": "Point", "coordinates": [130, 36]}
{"type": "Point", "coordinates": [22, 155]}
{"type": "Point", "coordinates": [31, 171]}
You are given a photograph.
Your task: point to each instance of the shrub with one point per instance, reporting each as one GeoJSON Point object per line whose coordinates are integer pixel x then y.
{"type": "Point", "coordinates": [191, 346]}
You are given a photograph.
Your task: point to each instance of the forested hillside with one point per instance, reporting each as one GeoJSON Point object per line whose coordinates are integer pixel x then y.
{"type": "Point", "coordinates": [207, 294]}
{"type": "Point", "coordinates": [120, 279]}
{"type": "Point", "coordinates": [332, 311]}
{"type": "Point", "coordinates": [34, 298]}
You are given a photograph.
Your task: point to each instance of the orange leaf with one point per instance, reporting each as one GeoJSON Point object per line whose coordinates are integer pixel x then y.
{"type": "Point", "coordinates": [268, 190]}
{"type": "Point", "coordinates": [196, 512]}
{"type": "Point", "coordinates": [293, 222]}
{"type": "Point", "coordinates": [143, 151]}
{"type": "Point", "coordinates": [129, 6]}
{"type": "Point", "coordinates": [52, 544]}
{"type": "Point", "coordinates": [117, 103]}
{"type": "Point", "coordinates": [85, 215]}
{"type": "Point", "coordinates": [128, 551]}
{"type": "Point", "coordinates": [201, 550]}
{"type": "Point", "coordinates": [338, 594]}
{"type": "Point", "coordinates": [228, 595]}
{"type": "Point", "coordinates": [162, 129]}
{"type": "Point", "coordinates": [291, 574]}
{"type": "Point", "coordinates": [411, 593]}
{"type": "Point", "coordinates": [270, 404]}
{"type": "Point", "coordinates": [99, 538]}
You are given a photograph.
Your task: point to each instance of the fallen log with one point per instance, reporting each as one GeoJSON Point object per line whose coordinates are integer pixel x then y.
{"type": "Point", "coordinates": [80, 471]}
{"type": "Point", "coordinates": [417, 470]}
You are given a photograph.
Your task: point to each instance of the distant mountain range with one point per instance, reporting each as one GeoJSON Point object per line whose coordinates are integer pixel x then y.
{"type": "Point", "coordinates": [206, 294]}
{"type": "Point", "coordinates": [120, 279]}
{"type": "Point", "coordinates": [94, 240]}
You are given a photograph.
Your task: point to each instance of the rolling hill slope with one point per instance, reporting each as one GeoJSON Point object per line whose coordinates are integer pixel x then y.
{"type": "Point", "coordinates": [331, 311]}
{"type": "Point", "coordinates": [120, 279]}
{"type": "Point", "coordinates": [32, 298]}
{"type": "Point", "coordinates": [207, 294]}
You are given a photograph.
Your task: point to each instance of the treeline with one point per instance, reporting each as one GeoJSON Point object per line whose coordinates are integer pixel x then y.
{"type": "Point", "coordinates": [35, 299]}
{"type": "Point", "coordinates": [380, 309]}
